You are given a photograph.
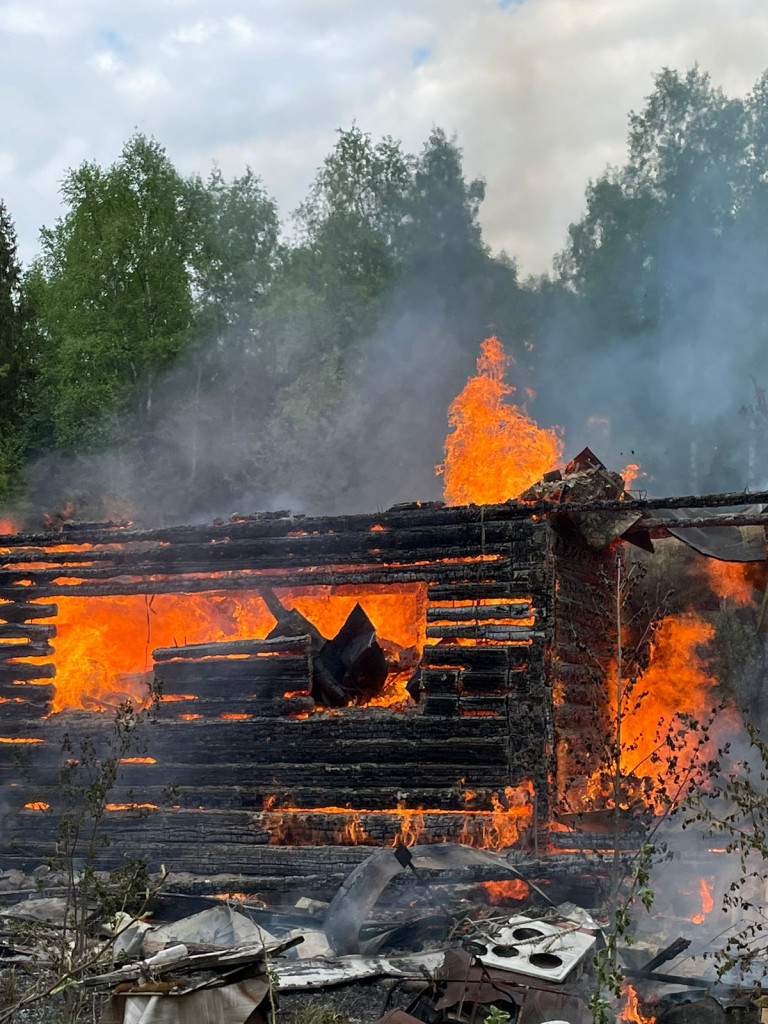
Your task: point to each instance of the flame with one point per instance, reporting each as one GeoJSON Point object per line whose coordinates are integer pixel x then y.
{"type": "Point", "coordinates": [707, 902]}
{"type": "Point", "coordinates": [510, 889]}
{"type": "Point", "coordinates": [20, 739]}
{"type": "Point", "coordinates": [103, 647]}
{"type": "Point", "coordinates": [411, 827]}
{"type": "Point", "coordinates": [137, 760]}
{"type": "Point", "coordinates": [676, 680]}
{"type": "Point", "coordinates": [730, 581]}
{"type": "Point", "coordinates": [37, 805]}
{"type": "Point", "coordinates": [497, 829]}
{"type": "Point", "coordinates": [631, 1011]}
{"type": "Point", "coordinates": [494, 450]}
{"type": "Point", "coordinates": [8, 526]}
{"type": "Point", "coordinates": [631, 473]}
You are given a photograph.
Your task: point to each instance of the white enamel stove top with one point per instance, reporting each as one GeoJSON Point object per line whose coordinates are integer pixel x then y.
{"type": "Point", "coordinates": [536, 948]}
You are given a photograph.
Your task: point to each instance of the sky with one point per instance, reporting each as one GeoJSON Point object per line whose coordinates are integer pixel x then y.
{"type": "Point", "coordinates": [536, 91]}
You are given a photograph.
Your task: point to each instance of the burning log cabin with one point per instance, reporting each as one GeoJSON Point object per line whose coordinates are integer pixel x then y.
{"type": "Point", "coordinates": [479, 710]}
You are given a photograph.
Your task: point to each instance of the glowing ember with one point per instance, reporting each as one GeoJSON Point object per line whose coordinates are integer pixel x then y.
{"type": "Point", "coordinates": [130, 807]}
{"type": "Point", "coordinates": [510, 889]}
{"type": "Point", "coordinates": [37, 805]}
{"type": "Point", "coordinates": [630, 1011]}
{"type": "Point", "coordinates": [730, 581]}
{"type": "Point", "coordinates": [494, 450]}
{"type": "Point", "coordinates": [707, 902]}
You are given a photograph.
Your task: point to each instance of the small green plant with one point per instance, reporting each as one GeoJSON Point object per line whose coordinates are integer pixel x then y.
{"type": "Point", "coordinates": [497, 1016]}
{"type": "Point", "coordinates": [736, 808]}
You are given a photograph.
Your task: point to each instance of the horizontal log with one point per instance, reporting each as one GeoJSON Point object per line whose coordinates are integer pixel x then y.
{"type": "Point", "coordinates": [483, 659]}
{"type": "Point", "coordinates": [226, 707]}
{"type": "Point", "coordinates": [27, 631]}
{"type": "Point", "coordinates": [23, 671]}
{"type": "Point", "coordinates": [398, 521]}
{"type": "Point", "coordinates": [249, 581]}
{"type": "Point", "coordinates": [32, 649]}
{"type": "Point", "coordinates": [22, 611]}
{"type": "Point", "coordinates": [37, 694]}
{"type": "Point", "coordinates": [298, 645]}
{"type": "Point", "coordinates": [513, 589]}
{"type": "Point", "coordinates": [480, 613]}
{"type": "Point", "coordinates": [296, 783]}
{"type": "Point", "coordinates": [396, 546]}
{"type": "Point", "coordinates": [25, 717]}
{"type": "Point", "coordinates": [484, 631]}
{"type": "Point", "coordinates": [231, 550]}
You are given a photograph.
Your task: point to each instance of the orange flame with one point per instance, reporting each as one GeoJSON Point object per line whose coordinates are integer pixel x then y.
{"type": "Point", "coordinates": [631, 1009]}
{"type": "Point", "coordinates": [496, 829]}
{"type": "Point", "coordinates": [37, 805]}
{"type": "Point", "coordinates": [707, 902]}
{"type": "Point", "coordinates": [494, 450]}
{"type": "Point", "coordinates": [676, 680]}
{"type": "Point", "coordinates": [510, 889]}
{"type": "Point", "coordinates": [411, 827]}
{"type": "Point", "coordinates": [103, 647]}
{"type": "Point", "coordinates": [730, 581]}
{"type": "Point", "coordinates": [631, 473]}
{"type": "Point", "coordinates": [130, 807]}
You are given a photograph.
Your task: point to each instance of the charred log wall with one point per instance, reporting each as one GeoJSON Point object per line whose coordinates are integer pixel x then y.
{"type": "Point", "coordinates": [583, 650]}
{"type": "Point", "coordinates": [243, 768]}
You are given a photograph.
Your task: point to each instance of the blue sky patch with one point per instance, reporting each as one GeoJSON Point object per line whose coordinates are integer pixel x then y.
{"type": "Point", "coordinates": [113, 40]}
{"type": "Point", "coordinates": [420, 54]}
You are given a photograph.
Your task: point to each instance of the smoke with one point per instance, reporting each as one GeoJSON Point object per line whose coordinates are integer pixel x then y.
{"type": "Point", "coordinates": [657, 363]}
{"type": "Point", "coordinates": [674, 391]}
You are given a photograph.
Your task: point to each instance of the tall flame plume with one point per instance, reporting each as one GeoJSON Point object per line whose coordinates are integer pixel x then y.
{"type": "Point", "coordinates": [494, 450]}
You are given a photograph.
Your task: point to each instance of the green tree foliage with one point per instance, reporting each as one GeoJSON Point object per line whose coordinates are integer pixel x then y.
{"type": "Point", "coordinates": [113, 289]}
{"type": "Point", "coordinates": [348, 227]}
{"type": "Point", "coordinates": [15, 363]}
{"type": "Point", "coordinates": [440, 234]}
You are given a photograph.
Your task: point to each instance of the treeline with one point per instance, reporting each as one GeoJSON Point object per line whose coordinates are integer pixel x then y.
{"type": "Point", "coordinates": [176, 349]}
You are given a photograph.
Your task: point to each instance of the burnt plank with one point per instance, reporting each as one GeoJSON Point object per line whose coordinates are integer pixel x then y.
{"type": "Point", "coordinates": [22, 671]}
{"type": "Point", "coordinates": [481, 613]}
{"type": "Point", "coordinates": [31, 649]}
{"type": "Point", "coordinates": [23, 611]}
{"type": "Point", "coordinates": [255, 646]}
{"type": "Point", "coordinates": [29, 631]}
{"type": "Point", "coordinates": [483, 631]}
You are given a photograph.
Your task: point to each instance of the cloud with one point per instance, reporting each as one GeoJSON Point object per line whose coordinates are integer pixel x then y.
{"type": "Point", "coordinates": [538, 92]}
